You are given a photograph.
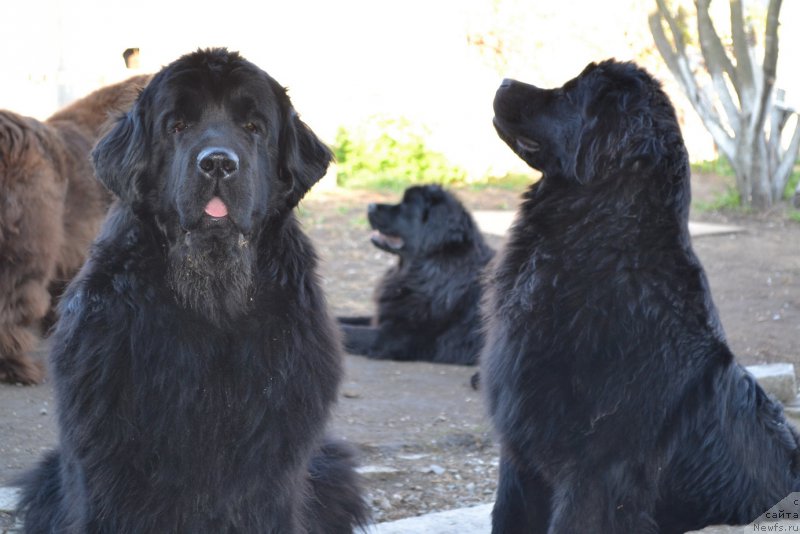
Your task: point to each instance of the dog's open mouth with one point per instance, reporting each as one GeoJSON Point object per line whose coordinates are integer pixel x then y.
{"type": "Point", "coordinates": [518, 143]}
{"type": "Point", "coordinates": [381, 240]}
{"type": "Point", "coordinates": [525, 144]}
{"type": "Point", "coordinates": [216, 218]}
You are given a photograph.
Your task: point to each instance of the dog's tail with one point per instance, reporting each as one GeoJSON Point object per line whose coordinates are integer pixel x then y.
{"type": "Point", "coordinates": [41, 505]}
{"type": "Point", "coordinates": [337, 504]}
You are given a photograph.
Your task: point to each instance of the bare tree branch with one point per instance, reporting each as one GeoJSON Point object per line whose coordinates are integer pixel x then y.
{"type": "Point", "coordinates": [678, 62]}
{"type": "Point", "coordinates": [771, 37]}
{"type": "Point", "coordinates": [741, 50]}
{"type": "Point", "coordinates": [778, 117]}
{"type": "Point", "coordinates": [769, 66]}
{"type": "Point", "coordinates": [664, 46]}
{"type": "Point", "coordinates": [788, 160]}
{"type": "Point", "coordinates": [717, 63]}
{"type": "Point", "coordinates": [711, 44]}
{"type": "Point", "coordinates": [675, 30]}
{"type": "Point", "coordinates": [755, 151]}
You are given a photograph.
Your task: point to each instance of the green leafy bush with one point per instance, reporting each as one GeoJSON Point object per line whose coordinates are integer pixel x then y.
{"type": "Point", "coordinates": [510, 182]}
{"type": "Point", "coordinates": [729, 199]}
{"type": "Point", "coordinates": [791, 185]}
{"type": "Point", "coordinates": [720, 166]}
{"type": "Point", "coordinates": [390, 153]}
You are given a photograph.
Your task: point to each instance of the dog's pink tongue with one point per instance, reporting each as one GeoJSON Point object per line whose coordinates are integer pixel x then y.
{"type": "Point", "coordinates": [216, 208]}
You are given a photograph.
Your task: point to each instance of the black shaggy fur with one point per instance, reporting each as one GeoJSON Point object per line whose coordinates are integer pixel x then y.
{"type": "Point", "coordinates": [619, 406]}
{"type": "Point", "coordinates": [194, 363]}
{"type": "Point", "coordinates": [428, 305]}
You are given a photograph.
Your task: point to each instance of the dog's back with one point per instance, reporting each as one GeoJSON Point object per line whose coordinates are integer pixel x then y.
{"type": "Point", "coordinates": [53, 207]}
{"type": "Point", "coordinates": [33, 187]}
{"type": "Point", "coordinates": [79, 125]}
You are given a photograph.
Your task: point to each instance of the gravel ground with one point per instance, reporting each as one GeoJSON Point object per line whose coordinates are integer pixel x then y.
{"type": "Point", "coordinates": [426, 445]}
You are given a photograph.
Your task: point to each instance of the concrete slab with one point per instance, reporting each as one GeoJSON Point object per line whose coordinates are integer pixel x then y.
{"type": "Point", "coordinates": [472, 520]}
{"type": "Point", "coordinates": [497, 222]}
{"type": "Point", "coordinates": [699, 229]}
{"type": "Point", "coordinates": [8, 503]}
{"type": "Point", "coordinates": [777, 379]}
{"type": "Point", "coordinates": [494, 222]}
{"type": "Point", "coordinates": [8, 499]}
{"type": "Point", "coordinates": [476, 520]}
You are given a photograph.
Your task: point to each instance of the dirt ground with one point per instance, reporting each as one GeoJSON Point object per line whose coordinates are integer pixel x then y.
{"type": "Point", "coordinates": [425, 443]}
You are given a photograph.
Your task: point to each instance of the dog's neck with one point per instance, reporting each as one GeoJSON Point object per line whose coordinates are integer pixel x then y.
{"type": "Point", "coordinates": [214, 279]}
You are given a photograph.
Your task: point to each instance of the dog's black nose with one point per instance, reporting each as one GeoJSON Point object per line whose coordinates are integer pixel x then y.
{"type": "Point", "coordinates": [216, 162]}
{"type": "Point", "coordinates": [371, 207]}
{"type": "Point", "coordinates": [506, 83]}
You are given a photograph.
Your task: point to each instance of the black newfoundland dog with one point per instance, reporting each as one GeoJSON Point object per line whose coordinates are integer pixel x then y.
{"type": "Point", "coordinates": [428, 305]}
{"type": "Point", "coordinates": [619, 406]}
{"type": "Point", "coordinates": [194, 363]}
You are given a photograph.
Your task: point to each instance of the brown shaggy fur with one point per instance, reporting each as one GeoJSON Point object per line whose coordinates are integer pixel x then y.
{"type": "Point", "coordinates": [51, 207]}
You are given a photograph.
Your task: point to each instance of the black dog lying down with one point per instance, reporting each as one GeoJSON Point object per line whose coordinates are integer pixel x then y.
{"type": "Point", "coordinates": [194, 363]}
{"type": "Point", "coordinates": [428, 304]}
{"type": "Point", "coordinates": [619, 406]}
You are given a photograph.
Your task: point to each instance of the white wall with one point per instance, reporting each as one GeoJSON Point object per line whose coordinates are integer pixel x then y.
{"type": "Point", "coordinates": [342, 60]}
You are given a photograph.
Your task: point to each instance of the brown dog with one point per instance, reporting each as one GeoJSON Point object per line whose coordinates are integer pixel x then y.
{"type": "Point", "coordinates": [51, 207]}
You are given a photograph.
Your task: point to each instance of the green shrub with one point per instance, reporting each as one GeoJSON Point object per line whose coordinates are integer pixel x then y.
{"type": "Point", "coordinates": [728, 200]}
{"type": "Point", "coordinates": [791, 185]}
{"type": "Point", "coordinates": [510, 182]}
{"type": "Point", "coordinates": [390, 153]}
{"type": "Point", "coordinates": [720, 166]}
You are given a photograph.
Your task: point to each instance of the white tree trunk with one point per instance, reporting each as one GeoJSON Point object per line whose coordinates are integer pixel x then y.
{"type": "Point", "coordinates": [749, 130]}
{"type": "Point", "coordinates": [796, 199]}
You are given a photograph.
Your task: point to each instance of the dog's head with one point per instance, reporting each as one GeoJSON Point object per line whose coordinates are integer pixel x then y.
{"type": "Point", "coordinates": [611, 120]}
{"type": "Point", "coordinates": [427, 221]}
{"type": "Point", "coordinates": [210, 153]}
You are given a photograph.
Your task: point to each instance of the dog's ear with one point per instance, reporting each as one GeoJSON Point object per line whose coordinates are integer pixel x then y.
{"type": "Point", "coordinates": [624, 141]}
{"type": "Point", "coordinates": [304, 159]}
{"type": "Point", "coordinates": [590, 147]}
{"type": "Point", "coordinates": [452, 227]}
{"type": "Point", "coordinates": [435, 194]}
{"type": "Point", "coordinates": [120, 157]}
{"type": "Point", "coordinates": [619, 131]}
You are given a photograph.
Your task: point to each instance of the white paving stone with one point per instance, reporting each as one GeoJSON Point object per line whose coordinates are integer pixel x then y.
{"type": "Point", "coordinates": [367, 470]}
{"type": "Point", "coordinates": [778, 379]}
{"type": "Point", "coordinates": [497, 222]}
{"type": "Point", "coordinates": [472, 520]}
{"type": "Point", "coordinates": [8, 499]}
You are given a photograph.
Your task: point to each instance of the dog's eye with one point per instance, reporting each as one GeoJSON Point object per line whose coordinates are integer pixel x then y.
{"type": "Point", "coordinates": [178, 126]}
{"type": "Point", "coordinates": [251, 127]}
